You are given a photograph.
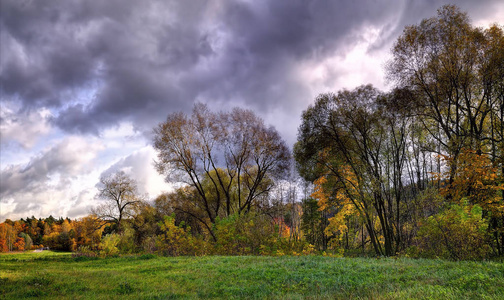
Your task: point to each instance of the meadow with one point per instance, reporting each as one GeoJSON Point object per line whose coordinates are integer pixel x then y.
{"type": "Point", "coordinates": [52, 275]}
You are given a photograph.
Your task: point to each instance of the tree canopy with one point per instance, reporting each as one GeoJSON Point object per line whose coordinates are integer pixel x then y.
{"type": "Point", "coordinates": [229, 158]}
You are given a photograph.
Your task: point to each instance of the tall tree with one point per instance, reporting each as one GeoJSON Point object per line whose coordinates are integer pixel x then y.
{"type": "Point", "coordinates": [355, 146]}
{"type": "Point", "coordinates": [229, 158]}
{"type": "Point", "coordinates": [456, 72]}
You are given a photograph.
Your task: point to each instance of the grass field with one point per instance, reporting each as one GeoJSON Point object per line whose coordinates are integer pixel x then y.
{"type": "Point", "coordinates": [59, 276]}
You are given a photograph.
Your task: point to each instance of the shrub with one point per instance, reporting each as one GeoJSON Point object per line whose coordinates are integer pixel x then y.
{"type": "Point", "coordinates": [459, 232]}
{"type": "Point", "coordinates": [108, 245]}
{"type": "Point", "coordinates": [245, 235]}
{"type": "Point", "coordinates": [177, 240]}
{"type": "Point", "coordinates": [255, 234]}
{"type": "Point", "coordinates": [126, 242]}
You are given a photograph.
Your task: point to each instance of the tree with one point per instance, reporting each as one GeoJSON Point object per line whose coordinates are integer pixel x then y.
{"type": "Point", "coordinates": [313, 224]}
{"type": "Point", "coordinates": [456, 73]}
{"type": "Point", "coordinates": [230, 158]}
{"type": "Point", "coordinates": [8, 236]}
{"type": "Point", "coordinates": [357, 142]}
{"type": "Point", "coordinates": [88, 231]}
{"type": "Point", "coordinates": [455, 70]}
{"type": "Point", "coordinates": [28, 243]}
{"type": "Point", "coordinates": [145, 226]}
{"type": "Point", "coordinates": [458, 232]}
{"type": "Point", "coordinates": [120, 194]}
{"type": "Point", "coordinates": [186, 207]}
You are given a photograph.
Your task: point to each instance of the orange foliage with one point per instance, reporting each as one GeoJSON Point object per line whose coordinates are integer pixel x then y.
{"type": "Point", "coordinates": [283, 229]}
{"type": "Point", "coordinates": [475, 178]}
{"type": "Point", "coordinates": [19, 244]}
{"type": "Point", "coordinates": [8, 237]}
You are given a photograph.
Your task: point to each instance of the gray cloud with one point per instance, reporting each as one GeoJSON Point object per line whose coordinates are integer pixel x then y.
{"type": "Point", "coordinates": [86, 66]}
{"type": "Point", "coordinates": [68, 159]}
{"type": "Point", "coordinates": [413, 11]}
{"type": "Point", "coordinates": [47, 184]}
{"type": "Point", "coordinates": [140, 60]}
{"type": "Point", "coordinates": [23, 128]}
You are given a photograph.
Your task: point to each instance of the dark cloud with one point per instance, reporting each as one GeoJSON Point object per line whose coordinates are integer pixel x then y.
{"type": "Point", "coordinates": [140, 60]}
{"type": "Point", "coordinates": [85, 66]}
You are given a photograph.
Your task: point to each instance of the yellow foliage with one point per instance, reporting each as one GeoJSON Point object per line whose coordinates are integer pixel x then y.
{"type": "Point", "coordinates": [320, 194]}
{"type": "Point", "coordinates": [340, 202]}
{"type": "Point", "coordinates": [477, 179]}
{"type": "Point", "coordinates": [177, 240]}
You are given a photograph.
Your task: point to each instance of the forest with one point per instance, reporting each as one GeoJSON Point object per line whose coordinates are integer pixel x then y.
{"type": "Point", "coordinates": [417, 171]}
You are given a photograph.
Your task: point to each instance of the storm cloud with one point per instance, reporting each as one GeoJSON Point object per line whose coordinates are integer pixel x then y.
{"type": "Point", "coordinates": [80, 68]}
{"type": "Point", "coordinates": [98, 63]}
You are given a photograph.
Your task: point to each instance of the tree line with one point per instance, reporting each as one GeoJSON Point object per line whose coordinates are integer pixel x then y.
{"type": "Point", "coordinates": [414, 171]}
{"type": "Point", "coordinates": [58, 234]}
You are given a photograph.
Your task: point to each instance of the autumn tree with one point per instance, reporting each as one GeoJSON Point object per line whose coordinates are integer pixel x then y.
{"type": "Point", "coordinates": [313, 223]}
{"type": "Point", "coordinates": [455, 70]}
{"type": "Point", "coordinates": [358, 142]}
{"type": "Point", "coordinates": [62, 237]}
{"type": "Point", "coordinates": [185, 206]}
{"type": "Point", "coordinates": [230, 158]}
{"type": "Point", "coordinates": [145, 226]}
{"type": "Point", "coordinates": [119, 194]}
{"type": "Point", "coordinates": [456, 73]}
{"type": "Point", "coordinates": [335, 139]}
{"type": "Point", "coordinates": [8, 237]}
{"type": "Point", "coordinates": [88, 231]}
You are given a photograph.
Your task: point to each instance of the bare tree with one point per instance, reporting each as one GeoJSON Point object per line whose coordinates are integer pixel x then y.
{"type": "Point", "coordinates": [119, 192]}
{"type": "Point", "coordinates": [230, 158]}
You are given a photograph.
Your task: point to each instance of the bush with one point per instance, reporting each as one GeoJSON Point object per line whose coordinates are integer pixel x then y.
{"type": "Point", "coordinates": [126, 242]}
{"type": "Point", "coordinates": [245, 235]}
{"type": "Point", "coordinates": [459, 233]}
{"type": "Point", "coordinates": [254, 234]}
{"type": "Point", "coordinates": [108, 245]}
{"type": "Point", "coordinates": [177, 240]}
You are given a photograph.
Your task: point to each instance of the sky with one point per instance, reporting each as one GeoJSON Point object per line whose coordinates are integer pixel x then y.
{"type": "Point", "coordinates": [83, 83]}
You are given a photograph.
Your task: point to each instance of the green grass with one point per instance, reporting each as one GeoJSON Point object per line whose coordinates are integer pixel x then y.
{"type": "Point", "coordinates": [58, 275]}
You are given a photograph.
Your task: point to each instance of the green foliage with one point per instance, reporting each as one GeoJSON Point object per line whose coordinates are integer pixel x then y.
{"type": "Point", "coordinates": [313, 224]}
{"type": "Point", "coordinates": [243, 235]}
{"type": "Point", "coordinates": [145, 227]}
{"type": "Point", "coordinates": [108, 245]}
{"type": "Point", "coordinates": [255, 234]}
{"type": "Point", "coordinates": [27, 240]}
{"type": "Point", "coordinates": [459, 232]}
{"type": "Point", "coordinates": [126, 243]}
{"type": "Point", "coordinates": [177, 240]}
